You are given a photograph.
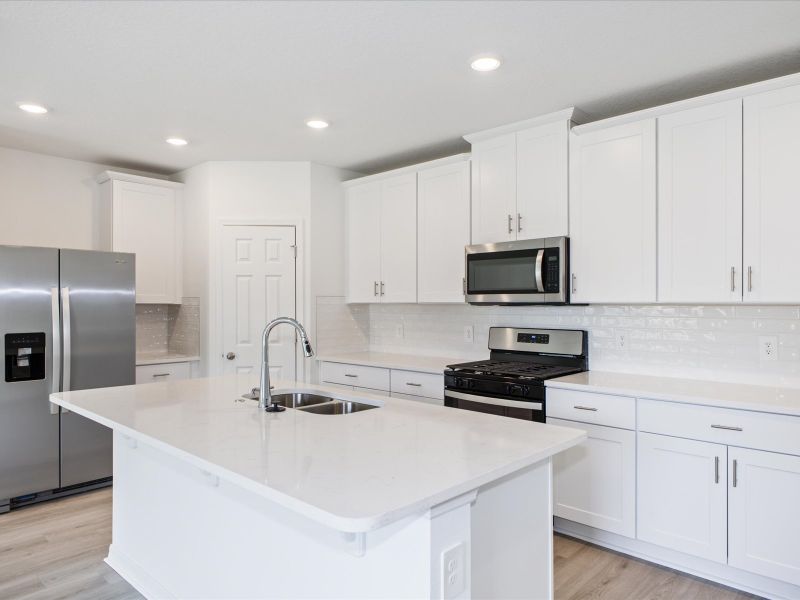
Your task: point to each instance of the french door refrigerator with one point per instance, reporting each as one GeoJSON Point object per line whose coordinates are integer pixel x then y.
{"type": "Point", "coordinates": [67, 320]}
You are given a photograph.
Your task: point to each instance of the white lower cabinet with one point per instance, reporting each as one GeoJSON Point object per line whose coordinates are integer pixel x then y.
{"type": "Point", "coordinates": [763, 522]}
{"type": "Point", "coordinates": [400, 383]}
{"type": "Point", "coordinates": [595, 482]}
{"type": "Point", "coordinates": [682, 495]}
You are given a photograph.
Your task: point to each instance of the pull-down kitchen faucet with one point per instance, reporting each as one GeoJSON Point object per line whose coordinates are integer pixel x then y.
{"type": "Point", "coordinates": [264, 394]}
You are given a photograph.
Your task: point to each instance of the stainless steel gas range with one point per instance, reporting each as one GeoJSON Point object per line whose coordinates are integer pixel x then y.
{"type": "Point", "coordinates": [511, 382]}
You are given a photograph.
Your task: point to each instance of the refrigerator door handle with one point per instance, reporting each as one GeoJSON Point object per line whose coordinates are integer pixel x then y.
{"type": "Point", "coordinates": [56, 370]}
{"type": "Point", "coordinates": [67, 339]}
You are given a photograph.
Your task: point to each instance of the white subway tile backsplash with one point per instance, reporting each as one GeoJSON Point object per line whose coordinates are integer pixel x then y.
{"type": "Point", "coordinates": [168, 328]}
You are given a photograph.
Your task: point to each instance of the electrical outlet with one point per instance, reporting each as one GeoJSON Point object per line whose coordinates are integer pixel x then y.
{"type": "Point", "coordinates": [768, 347]}
{"type": "Point", "coordinates": [453, 571]}
{"type": "Point", "coordinates": [621, 341]}
{"type": "Point", "coordinates": [398, 330]}
{"type": "Point", "coordinates": [469, 333]}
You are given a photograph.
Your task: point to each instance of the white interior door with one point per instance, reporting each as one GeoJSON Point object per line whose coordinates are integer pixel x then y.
{"type": "Point", "coordinates": [258, 285]}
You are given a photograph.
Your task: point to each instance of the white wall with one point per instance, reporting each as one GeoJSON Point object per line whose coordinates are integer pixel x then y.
{"type": "Point", "coordinates": [49, 201]}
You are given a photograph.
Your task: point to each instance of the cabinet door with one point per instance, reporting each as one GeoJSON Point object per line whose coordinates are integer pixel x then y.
{"type": "Point", "coordinates": [613, 214]}
{"type": "Point", "coordinates": [363, 242]}
{"type": "Point", "coordinates": [399, 239]}
{"type": "Point", "coordinates": [542, 178]}
{"type": "Point", "coordinates": [594, 483]}
{"type": "Point", "coordinates": [147, 222]}
{"type": "Point", "coordinates": [763, 499]}
{"type": "Point", "coordinates": [494, 193]}
{"type": "Point", "coordinates": [700, 204]}
{"type": "Point", "coordinates": [443, 205]}
{"type": "Point", "coordinates": [682, 495]}
{"type": "Point", "coordinates": [771, 207]}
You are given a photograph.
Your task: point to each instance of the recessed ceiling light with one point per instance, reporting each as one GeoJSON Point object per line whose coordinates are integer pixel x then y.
{"type": "Point", "coordinates": [317, 124]}
{"type": "Point", "coordinates": [36, 109]}
{"type": "Point", "coordinates": [485, 63]}
{"type": "Point", "coordinates": [177, 141]}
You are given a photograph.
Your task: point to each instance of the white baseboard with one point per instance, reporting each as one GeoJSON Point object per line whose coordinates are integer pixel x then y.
{"type": "Point", "coordinates": [130, 571]}
{"type": "Point", "coordinates": [698, 567]}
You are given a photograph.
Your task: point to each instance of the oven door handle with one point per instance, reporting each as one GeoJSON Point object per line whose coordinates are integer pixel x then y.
{"type": "Point", "coordinates": [538, 271]}
{"type": "Point", "coordinates": [495, 401]}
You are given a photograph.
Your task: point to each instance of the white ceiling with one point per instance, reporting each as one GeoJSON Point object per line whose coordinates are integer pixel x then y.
{"type": "Point", "coordinates": [239, 79]}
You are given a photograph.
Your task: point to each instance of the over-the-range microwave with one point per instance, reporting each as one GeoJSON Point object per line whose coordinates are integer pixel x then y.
{"type": "Point", "coordinates": [521, 272]}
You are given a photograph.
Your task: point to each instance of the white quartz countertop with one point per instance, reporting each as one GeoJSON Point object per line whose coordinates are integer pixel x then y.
{"type": "Point", "coordinates": [389, 360]}
{"type": "Point", "coordinates": [161, 358]}
{"type": "Point", "coordinates": [779, 400]}
{"type": "Point", "coordinates": [355, 472]}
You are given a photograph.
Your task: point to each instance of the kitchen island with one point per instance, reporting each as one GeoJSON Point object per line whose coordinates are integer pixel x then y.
{"type": "Point", "coordinates": [216, 499]}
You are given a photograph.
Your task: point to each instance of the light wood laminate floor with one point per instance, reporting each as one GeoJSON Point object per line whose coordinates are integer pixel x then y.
{"type": "Point", "coordinates": [55, 551]}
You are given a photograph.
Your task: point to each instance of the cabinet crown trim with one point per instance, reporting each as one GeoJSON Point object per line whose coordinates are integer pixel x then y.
{"type": "Point", "coordinates": [119, 176]}
{"type": "Point", "coordinates": [439, 162]}
{"type": "Point", "coordinates": [568, 114]}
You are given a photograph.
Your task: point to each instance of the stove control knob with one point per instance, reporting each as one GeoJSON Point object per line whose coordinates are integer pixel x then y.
{"type": "Point", "coordinates": [515, 390]}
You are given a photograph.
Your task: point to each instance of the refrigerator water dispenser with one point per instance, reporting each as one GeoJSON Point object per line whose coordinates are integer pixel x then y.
{"type": "Point", "coordinates": [25, 356]}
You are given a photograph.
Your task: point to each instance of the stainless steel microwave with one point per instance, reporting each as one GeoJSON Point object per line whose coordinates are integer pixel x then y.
{"type": "Point", "coordinates": [521, 272]}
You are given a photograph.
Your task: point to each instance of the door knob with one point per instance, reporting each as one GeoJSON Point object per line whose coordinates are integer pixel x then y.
{"type": "Point", "coordinates": [230, 355]}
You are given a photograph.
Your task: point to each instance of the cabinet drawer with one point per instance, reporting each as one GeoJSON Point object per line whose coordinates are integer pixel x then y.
{"type": "Point", "coordinates": [588, 407]}
{"type": "Point", "coordinates": [418, 384]}
{"type": "Point", "coordinates": [163, 372]}
{"type": "Point", "coordinates": [373, 378]}
{"type": "Point", "coordinates": [762, 431]}
{"type": "Point", "coordinates": [423, 399]}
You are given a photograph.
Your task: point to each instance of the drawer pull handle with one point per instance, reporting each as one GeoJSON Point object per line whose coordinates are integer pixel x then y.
{"type": "Point", "coordinates": [414, 384]}
{"type": "Point", "coordinates": [350, 375]}
{"type": "Point", "coordinates": [160, 374]}
{"type": "Point", "coordinates": [726, 427]}
{"type": "Point", "coordinates": [591, 408]}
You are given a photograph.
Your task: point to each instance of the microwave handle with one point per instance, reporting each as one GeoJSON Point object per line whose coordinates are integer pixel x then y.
{"type": "Point", "coordinates": [538, 270]}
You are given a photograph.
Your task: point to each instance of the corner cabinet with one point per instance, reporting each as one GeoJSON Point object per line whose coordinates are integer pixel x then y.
{"type": "Point", "coordinates": [612, 212]}
{"type": "Point", "coordinates": [520, 179]}
{"type": "Point", "coordinates": [406, 232]}
{"type": "Point", "coordinates": [143, 216]}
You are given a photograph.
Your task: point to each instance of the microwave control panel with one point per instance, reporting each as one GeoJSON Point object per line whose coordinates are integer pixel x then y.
{"type": "Point", "coordinates": [552, 271]}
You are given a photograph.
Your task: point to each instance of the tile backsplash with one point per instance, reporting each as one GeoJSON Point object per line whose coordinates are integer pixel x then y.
{"type": "Point", "coordinates": [168, 328]}
{"type": "Point", "coordinates": [705, 342]}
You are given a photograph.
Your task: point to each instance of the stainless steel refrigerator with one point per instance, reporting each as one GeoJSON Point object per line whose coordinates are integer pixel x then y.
{"type": "Point", "coordinates": [67, 320]}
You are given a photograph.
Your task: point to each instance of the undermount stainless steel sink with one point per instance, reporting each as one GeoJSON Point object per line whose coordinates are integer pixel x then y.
{"type": "Point", "coordinates": [300, 399]}
{"type": "Point", "coordinates": [338, 407]}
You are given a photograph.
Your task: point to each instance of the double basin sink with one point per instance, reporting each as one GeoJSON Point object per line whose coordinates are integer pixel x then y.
{"type": "Point", "coordinates": [318, 404]}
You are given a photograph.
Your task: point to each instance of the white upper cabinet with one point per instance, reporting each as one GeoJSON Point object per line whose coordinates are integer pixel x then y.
{"type": "Point", "coordinates": [398, 281]}
{"type": "Point", "coordinates": [613, 214]}
{"type": "Point", "coordinates": [771, 200]}
{"type": "Point", "coordinates": [364, 242]}
{"type": "Point", "coordinates": [443, 229]}
{"type": "Point", "coordinates": [520, 179]}
{"type": "Point", "coordinates": [494, 190]}
{"type": "Point", "coordinates": [143, 216]}
{"type": "Point", "coordinates": [700, 204]}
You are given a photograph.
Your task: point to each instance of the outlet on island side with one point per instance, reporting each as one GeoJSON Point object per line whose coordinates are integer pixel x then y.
{"type": "Point", "coordinates": [768, 347]}
{"type": "Point", "coordinates": [453, 571]}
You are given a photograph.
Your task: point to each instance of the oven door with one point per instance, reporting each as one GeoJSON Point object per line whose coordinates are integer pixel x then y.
{"type": "Point", "coordinates": [523, 272]}
{"type": "Point", "coordinates": [527, 410]}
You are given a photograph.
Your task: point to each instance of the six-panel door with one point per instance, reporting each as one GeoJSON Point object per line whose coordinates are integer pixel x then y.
{"type": "Point", "coordinates": [763, 523]}
{"type": "Point", "coordinates": [682, 493]}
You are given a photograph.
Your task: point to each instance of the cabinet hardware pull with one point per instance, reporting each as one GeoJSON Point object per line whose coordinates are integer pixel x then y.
{"type": "Point", "coordinates": [383, 286]}
{"type": "Point", "coordinates": [726, 427]}
{"type": "Point", "coordinates": [464, 285]}
{"type": "Point", "coordinates": [749, 279]}
{"type": "Point", "coordinates": [510, 229]}
{"type": "Point", "coordinates": [716, 469]}
{"type": "Point", "coordinates": [160, 374]}
{"type": "Point", "coordinates": [574, 288]}
{"type": "Point", "coordinates": [519, 222]}
{"type": "Point", "coordinates": [735, 475]}
{"type": "Point", "coordinates": [350, 375]}
{"type": "Point", "coordinates": [733, 279]}
{"type": "Point", "coordinates": [591, 408]}
{"type": "Point", "coordinates": [413, 384]}
{"type": "Point", "coordinates": [375, 289]}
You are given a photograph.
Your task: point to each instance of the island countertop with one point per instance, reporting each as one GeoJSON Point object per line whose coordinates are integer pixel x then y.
{"type": "Point", "coordinates": [354, 472]}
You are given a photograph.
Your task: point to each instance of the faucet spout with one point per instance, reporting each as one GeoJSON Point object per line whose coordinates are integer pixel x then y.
{"type": "Point", "coordinates": [264, 394]}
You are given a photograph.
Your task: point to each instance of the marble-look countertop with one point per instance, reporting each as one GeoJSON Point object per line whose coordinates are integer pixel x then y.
{"type": "Point", "coordinates": [389, 360]}
{"type": "Point", "coordinates": [355, 472]}
{"type": "Point", "coordinates": [161, 358]}
{"type": "Point", "coordinates": [761, 398]}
